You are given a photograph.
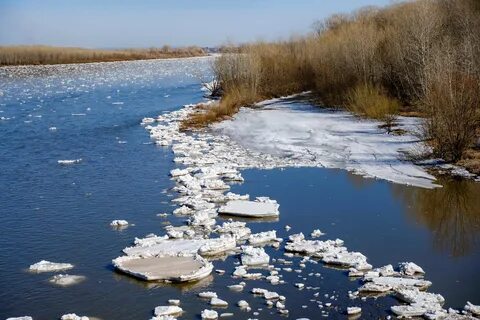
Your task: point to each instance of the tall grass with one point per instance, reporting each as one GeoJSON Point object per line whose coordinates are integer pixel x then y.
{"type": "Point", "coordinates": [371, 102]}
{"type": "Point", "coordinates": [422, 54]}
{"type": "Point", "coordinates": [28, 55]}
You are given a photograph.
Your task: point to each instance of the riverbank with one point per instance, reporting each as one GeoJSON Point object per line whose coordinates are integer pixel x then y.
{"type": "Point", "coordinates": [47, 55]}
{"type": "Point", "coordinates": [295, 128]}
{"type": "Point", "coordinates": [420, 56]}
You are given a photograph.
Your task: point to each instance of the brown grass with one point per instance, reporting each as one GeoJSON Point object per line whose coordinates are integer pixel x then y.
{"type": "Point", "coordinates": [371, 102]}
{"type": "Point", "coordinates": [36, 55]}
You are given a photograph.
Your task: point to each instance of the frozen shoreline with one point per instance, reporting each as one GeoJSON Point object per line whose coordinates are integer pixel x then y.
{"type": "Point", "coordinates": [331, 139]}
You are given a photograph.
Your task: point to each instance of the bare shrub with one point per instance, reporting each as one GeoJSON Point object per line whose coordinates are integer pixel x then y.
{"type": "Point", "coordinates": [452, 103]}
{"type": "Point", "coordinates": [372, 102]}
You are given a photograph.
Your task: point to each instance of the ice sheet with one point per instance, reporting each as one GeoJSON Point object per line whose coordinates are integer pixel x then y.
{"type": "Point", "coordinates": [293, 129]}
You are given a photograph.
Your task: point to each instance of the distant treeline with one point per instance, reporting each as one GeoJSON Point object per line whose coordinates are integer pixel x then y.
{"type": "Point", "coordinates": [28, 55]}
{"type": "Point", "coordinates": [419, 55]}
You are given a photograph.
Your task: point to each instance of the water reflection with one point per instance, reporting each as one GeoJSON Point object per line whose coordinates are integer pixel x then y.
{"type": "Point", "coordinates": [452, 213]}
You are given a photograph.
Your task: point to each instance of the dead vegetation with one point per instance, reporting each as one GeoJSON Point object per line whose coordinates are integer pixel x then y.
{"type": "Point", "coordinates": [416, 57]}
{"type": "Point", "coordinates": [37, 55]}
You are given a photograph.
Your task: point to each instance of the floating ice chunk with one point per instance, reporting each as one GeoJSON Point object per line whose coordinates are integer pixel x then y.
{"type": "Point", "coordinates": [473, 309]}
{"type": "Point", "coordinates": [165, 268]}
{"type": "Point", "coordinates": [166, 247]}
{"type": "Point", "coordinates": [119, 223]}
{"type": "Point", "coordinates": [271, 295]}
{"type": "Point", "coordinates": [316, 233]}
{"type": "Point", "coordinates": [146, 121]}
{"type": "Point", "coordinates": [300, 285]}
{"type": "Point", "coordinates": [386, 271]}
{"type": "Point", "coordinates": [178, 172]}
{"type": "Point", "coordinates": [183, 210]}
{"type": "Point", "coordinates": [174, 302]}
{"type": "Point", "coordinates": [67, 162]}
{"type": "Point", "coordinates": [149, 240]}
{"type": "Point", "coordinates": [354, 310]}
{"type": "Point", "coordinates": [216, 302]}
{"type": "Point", "coordinates": [21, 318]}
{"type": "Point", "coordinates": [243, 304]}
{"type": "Point", "coordinates": [217, 246]}
{"type": "Point", "coordinates": [179, 232]}
{"type": "Point", "coordinates": [209, 314]}
{"type": "Point", "coordinates": [262, 237]}
{"type": "Point", "coordinates": [47, 266]}
{"type": "Point", "coordinates": [202, 218]}
{"type": "Point", "coordinates": [233, 196]}
{"type": "Point", "coordinates": [208, 294]}
{"type": "Point", "coordinates": [226, 314]}
{"type": "Point", "coordinates": [236, 229]}
{"type": "Point", "coordinates": [167, 310]}
{"type": "Point", "coordinates": [415, 296]}
{"type": "Point", "coordinates": [214, 184]}
{"type": "Point", "coordinates": [66, 280]}
{"type": "Point", "coordinates": [373, 287]}
{"type": "Point", "coordinates": [383, 284]}
{"type": "Point", "coordinates": [252, 209]}
{"type": "Point", "coordinates": [296, 237]}
{"type": "Point", "coordinates": [315, 247]}
{"type": "Point", "coordinates": [240, 271]}
{"type": "Point", "coordinates": [73, 316]}
{"type": "Point", "coordinates": [410, 269]}
{"type": "Point", "coordinates": [409, 311]}
{"type": "Point", "coordinates": [164, 318]}
{"type": "Point", "coordinates": [348, 259]}
{"type": "Point", "coordinates": [236, 287]}
{"type": "Point", "coordinates": [259, 291]}
{"type": "Point", "coordinates": [254, 256]}
{"type": "Point", "coordinates": [52, 128]}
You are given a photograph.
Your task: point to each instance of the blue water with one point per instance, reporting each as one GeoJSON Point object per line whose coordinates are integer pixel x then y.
{"type": "Point", "coordinates": [62, 213]}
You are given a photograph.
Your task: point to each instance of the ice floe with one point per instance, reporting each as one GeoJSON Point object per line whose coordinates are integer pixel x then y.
{"type": "Point", "coordinates": [252, 256]}
{"type": "Point", "coordinates": [252, 209]}
{"type": "Point", "coordinates": [209, 314]}
{"type": "Point", "coordinates": [473, 309]}
{"type": "Point", "coordinates": [263, 237]}
{"type": "Point", "coordinates": [165, 268]}
{"type": "Point", "coordinates": [354, 310]}
{"type": "Point", "coordinates": [48, 266]}
{"type": "Point", "coordinates": [73, 316]}
{"type": "Point", "coordinates": [119, 223]}
{"type": "Point", "coordinates": [208, 294]}
{"type": "Point", "coordinates": [66, 280]}
{"type": "Point", "coordinates": [216, 302]}
{"type": "Point", "coordinates": [167, 311]}
{"type": "Point", "coordinates": [68, 162]}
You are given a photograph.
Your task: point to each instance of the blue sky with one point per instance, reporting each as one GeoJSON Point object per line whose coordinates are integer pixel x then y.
{"type": "Point", "coordinates": [146, 23]}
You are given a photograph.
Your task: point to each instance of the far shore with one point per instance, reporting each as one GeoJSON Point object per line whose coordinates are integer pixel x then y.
{"type": "Point", "coordinates": [47, 55]}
